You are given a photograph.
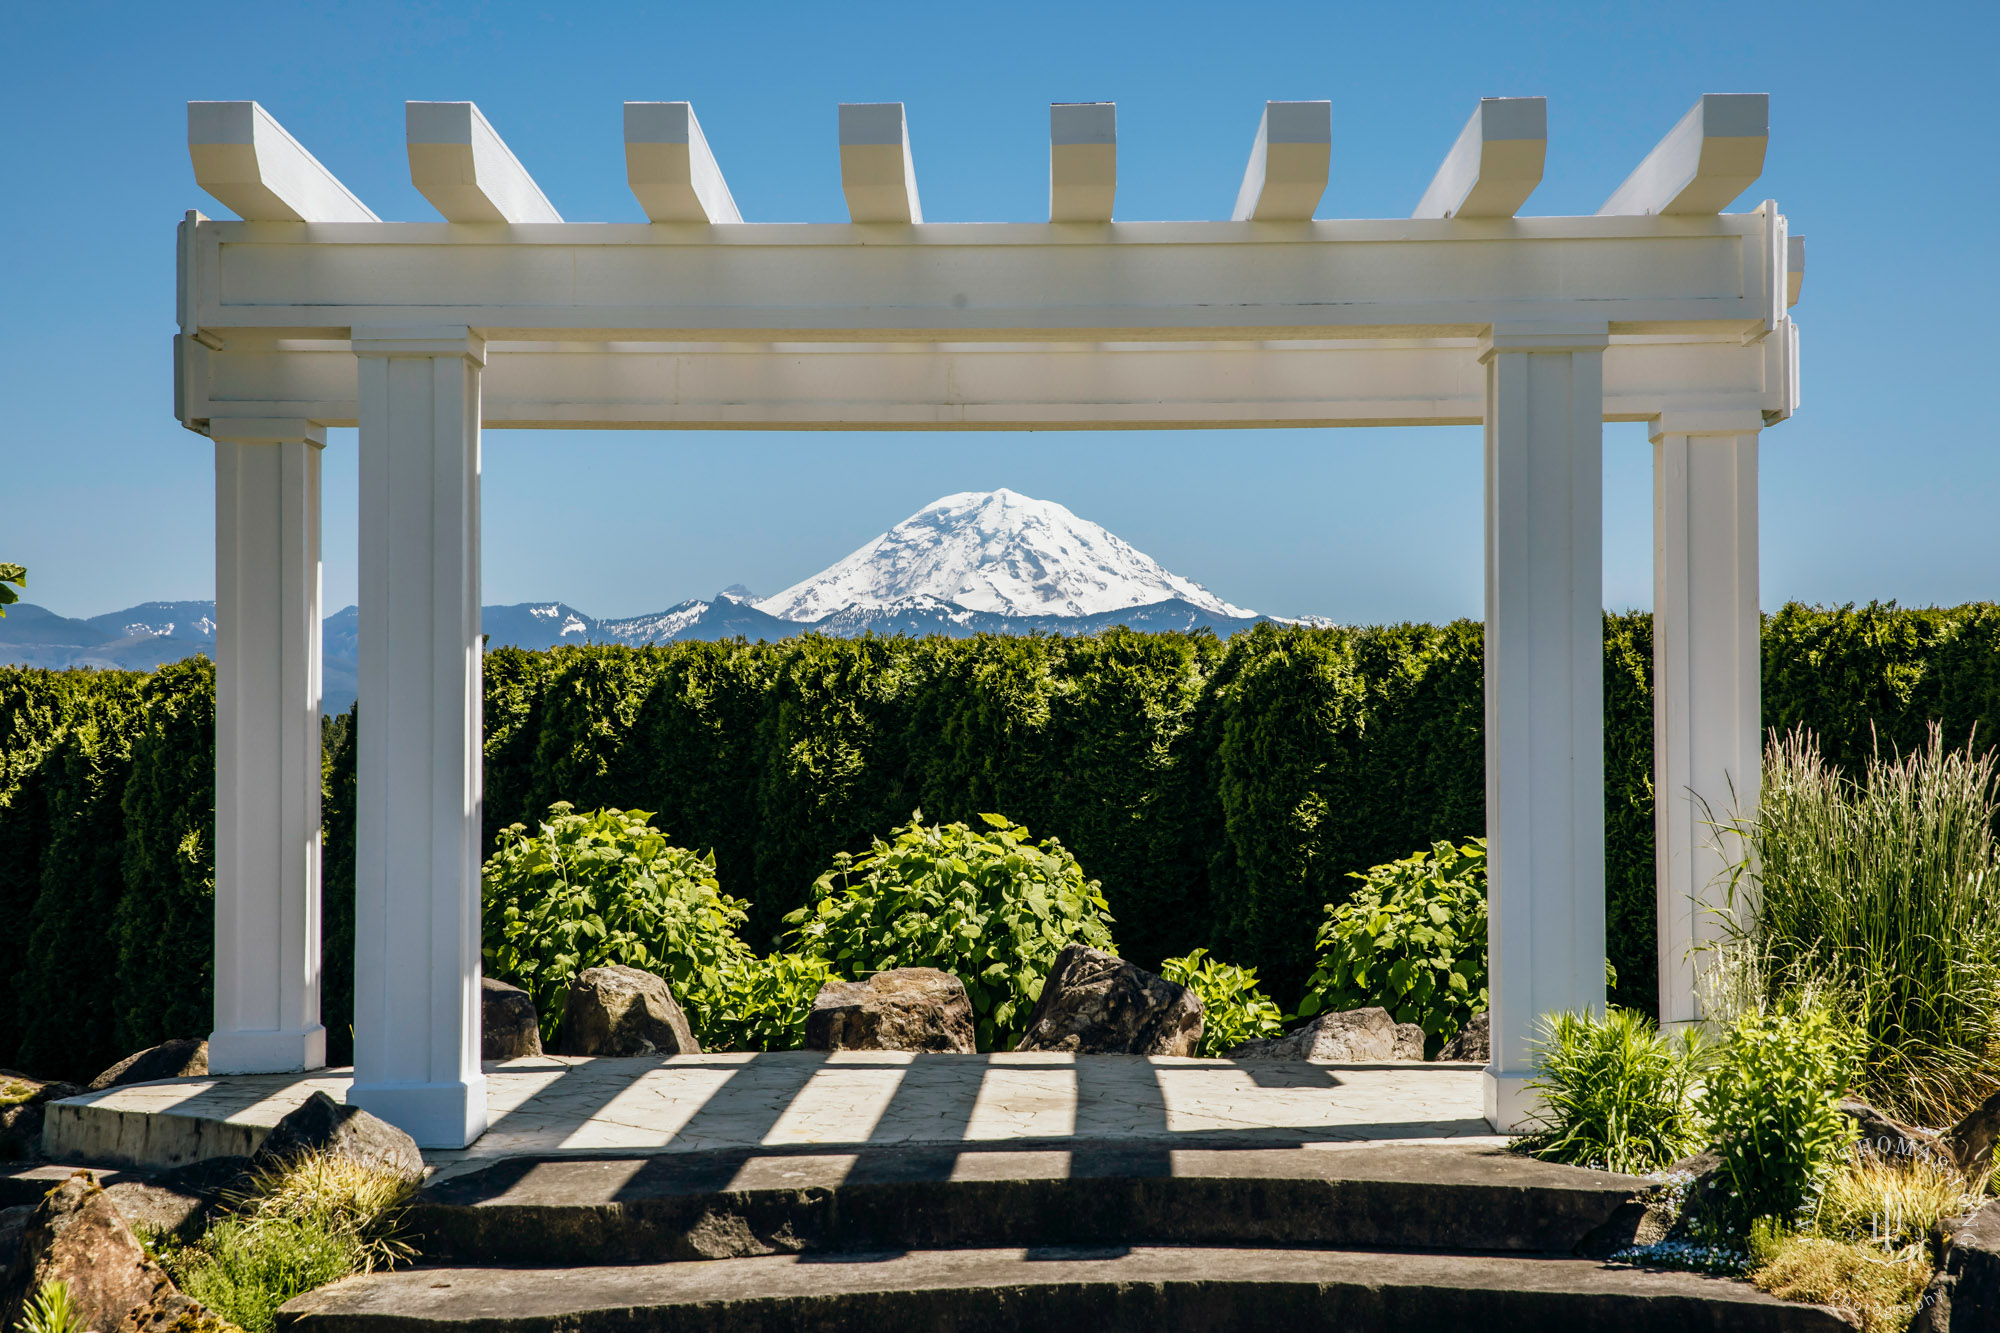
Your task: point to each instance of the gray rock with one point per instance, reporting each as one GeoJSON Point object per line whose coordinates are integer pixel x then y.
{"type": "Point", "coordinates": [75, 1235]}
{"type": "Point", "coordinates": [906, 1009]}
{"type": "Point", "coordinates": [1471, 1042]}
{"type": "Point", "coordinates": [1098, 1004]}
{"type": "Point", "coordinates": [324, 1125]}
{"type": "Point", "coordinates": [13, 1221]}
{"type": "Point", "coordinates": [623, 1011]}
{"type": "Point", "coordinates": [1409, 1042]}
{"type": "Point", "coordinates": [1883, 1136]}
{"type": "Point", "coordinates": [1349, 1036]}
{"type": "Point", "coordinates": [509, 1028]}
{"type": "Point", "coordinates": [1971, 1139]}
{"type": "Point", "coordinates": [1964, 1294]}
{"type": "Point", "coordinates": [23, 1103]}
{"type": "Point", "coordinates": [186, 1057]}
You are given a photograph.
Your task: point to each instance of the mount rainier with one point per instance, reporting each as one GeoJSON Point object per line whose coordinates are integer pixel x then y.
{"type": "Point", "coordinates": [973, 563]}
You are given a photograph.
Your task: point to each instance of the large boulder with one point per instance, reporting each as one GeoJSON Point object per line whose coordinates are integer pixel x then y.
{"type": "Point", "coordinates": [76, 1236]}
{"type": "Point", "coordinates": [509, 1027]}
{"type": "Point", "coordinates": [1964, 1294]}
{"type": "Point", "coordinates": [1351, 1036]}
{"type": "Point", "coordinates": [323, 1125]}
{"type": "Point", "coordinates": [23, 1104]}
{"type": "Point", "coordinates": [1971, 1139]}
{"type": "Point", "coordinates": [905, 1009]}
{"type": "Point", "coordinates": [1095, 1003]}
{"type": "Point", "coordinates": [1881, 1135]}
{"type": "Point", "coordinates": [1471, 1042]}
{"type": "Point", "coordinates": [186, 1057]}
{"type": "Point", "coordinates": [621, 1010]}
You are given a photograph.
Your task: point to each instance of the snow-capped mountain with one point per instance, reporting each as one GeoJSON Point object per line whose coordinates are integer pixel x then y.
{"type": "Point", "coordinates": [998, 552]}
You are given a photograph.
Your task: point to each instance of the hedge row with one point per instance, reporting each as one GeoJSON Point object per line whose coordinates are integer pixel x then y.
{"type": "Point", "coordinates": [1222, 791]}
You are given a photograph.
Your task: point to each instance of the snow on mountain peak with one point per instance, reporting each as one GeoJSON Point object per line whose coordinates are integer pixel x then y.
{"type": "Point", "coordinates": [996, 551]}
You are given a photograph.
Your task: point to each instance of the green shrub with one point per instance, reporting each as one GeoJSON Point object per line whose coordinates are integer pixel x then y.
{"type": "Point", "coordinates": [990, 907]}
{"type": "Point", "coordinates": [589, 890]}
{"type": "Point", "coordinates": [1616, 1093]}
{"type": "Point", "coordinates": [762, 1003]}
{"type": "Point", "coordinates": [1772, 1102]}
{"type": "Point", "coordinates": [52, 1309]}
{"type": "Point", "coordinates": [1233, 1010]}
{"type": "Point", "coordinates": [1412, 939]}
{"type": "Point", "coordinates": [1883, 894]}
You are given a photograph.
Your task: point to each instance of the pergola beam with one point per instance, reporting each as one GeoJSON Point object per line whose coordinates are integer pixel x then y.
{"type": "Point", "coordinates": [1715, 153]}
{"type": "Point", "coordinates": [1000, 386]}
{"type": "Point", "coordinates": [245, 159]}
{"type": "Point", "coordinates": [461, 165]}
{"type": "Point", "coordinates": [1496, 163]}
{"type": "Point", "coordinates": [1083, 161]}
{"type": "Point", "coordinates": [669, 166]}
{"type": "Point", "coordinates": [1289, 163]}
{"type": "Point", "coordinates": [759, 282]}
{"type": "Point", "coordinates": [876, 171]}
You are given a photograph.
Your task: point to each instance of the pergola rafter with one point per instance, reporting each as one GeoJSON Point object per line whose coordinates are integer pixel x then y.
{"type": "Point", "coordinates": [311, 313]}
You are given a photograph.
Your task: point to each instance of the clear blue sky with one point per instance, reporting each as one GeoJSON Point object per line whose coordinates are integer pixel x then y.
{"type": "Point", "coordinates": [1882, 154]}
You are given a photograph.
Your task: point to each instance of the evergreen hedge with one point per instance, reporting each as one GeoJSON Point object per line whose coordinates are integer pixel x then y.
{"type": "Point", "coordinates": [1221, 791]}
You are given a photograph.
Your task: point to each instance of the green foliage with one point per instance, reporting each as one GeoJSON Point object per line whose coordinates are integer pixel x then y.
{"type": "Point", "coordinates": [298, 1225]}
{"type": "Point", "coordinates": [762, 1003]}
{"type": "Point", "coordinates": [590, 890]}
{"type": "Point", "coordinates": [1883, 893]}
{"type": "Point", "coordinates": [990, 907]}
{"type": "Point", "coordinates": [166, 932]}
{"type": "Point", "coordinates": [338, 758]}
{"type": "Point", "coordinates": [1233, 1010]}
{"type": "Point", "coordinates": [11, 574]}
{"type": "Point", "coordinates": [1222, 792]}
{"type": "Point", "coordinates": [1617, 1094]}
{"type": "Point", "coordinates": [51, 1309]}
{"type": "Point", "coordinates": [1771, 1098]}
{"type": "Point", "coordinates": [1412, 939]}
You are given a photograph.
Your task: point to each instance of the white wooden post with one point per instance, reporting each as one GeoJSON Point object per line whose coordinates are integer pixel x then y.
{"type": "Point", "coordinates": [1544, 691]}
{"type": "Point", "coordinates": [1706, 690]}
{"type": "Point", "coordinates": [267, 749]}
{"type": "Point", "coordinates": [416, 993]}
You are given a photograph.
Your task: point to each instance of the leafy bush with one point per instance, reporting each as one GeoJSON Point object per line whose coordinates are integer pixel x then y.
{"type": "Point", "coordinates": [1884, 893]}
{"type": "Point", "coordinates": [590, 890]}
{"type": "Point", "coordinates": [1412, 939]}
{"type": "Point", "coordinates": [1233, 1010]}
{"type": "Point", "coordinates": [1771, 1099]}
{"type": "Point", "coordinates": [1616, 1093]}
{"type": "Point", "coordinates": [762, 1003]}
{"type": "Point", "coordinates": [990, 907]}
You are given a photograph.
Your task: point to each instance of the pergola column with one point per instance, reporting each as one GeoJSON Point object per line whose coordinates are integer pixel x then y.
{"type": "Point", "coordinates": [1706, 694]}
{"type": "Point", "coordinates": [1544, 691]}
{"type": "Point", "coordinates": [267, 747]}
{"type": "Point", "coordinates": [416, 993]}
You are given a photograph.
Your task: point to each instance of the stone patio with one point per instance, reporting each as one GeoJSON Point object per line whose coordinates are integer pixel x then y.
{"type": "Point", "coordinates": [553, 1105]}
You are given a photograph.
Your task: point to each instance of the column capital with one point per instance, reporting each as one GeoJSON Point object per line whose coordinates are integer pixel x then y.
{"type": "Point", "coordinates": [418, 340]}
{"type": "Point", "coordinates": [1706, 421]}
{"type": "Point", "coordinates": [1570, 335]}
{"type": "Point", "coordinates": [267, 430]}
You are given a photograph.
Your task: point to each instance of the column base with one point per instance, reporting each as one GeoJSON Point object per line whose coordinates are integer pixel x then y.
{"type": "Point", "coordinates": [436, 1115]}
{"type": "Point", "coordinates": [267, 1050]}
{"type": "Point", "coordinates": [1511, 1105]}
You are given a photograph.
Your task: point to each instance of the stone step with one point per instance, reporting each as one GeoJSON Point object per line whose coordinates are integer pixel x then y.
{"type": "Point", "coordinates": [719, 1205]}
{"type": "Point", "coordinates": [1143, 1290]}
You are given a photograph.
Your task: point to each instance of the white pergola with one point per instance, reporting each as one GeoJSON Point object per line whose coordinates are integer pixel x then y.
{"type": "Point", "coordinates": [311, 312]}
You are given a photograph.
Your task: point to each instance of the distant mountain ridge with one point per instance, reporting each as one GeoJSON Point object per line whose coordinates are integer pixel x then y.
{"type": "Point", "coordinates": [1011, 565]}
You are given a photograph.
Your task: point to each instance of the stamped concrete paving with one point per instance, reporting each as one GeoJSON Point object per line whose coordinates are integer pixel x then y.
{"type": "Point", "coordinates": [555, 1104]}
